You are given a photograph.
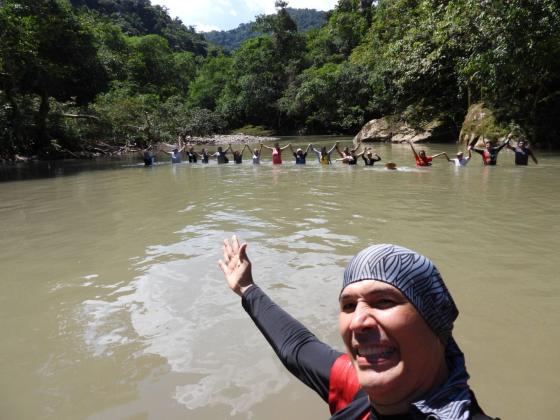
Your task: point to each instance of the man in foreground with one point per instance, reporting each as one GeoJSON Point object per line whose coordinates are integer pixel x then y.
{"type": "Point", "coordinates": [396, 320]}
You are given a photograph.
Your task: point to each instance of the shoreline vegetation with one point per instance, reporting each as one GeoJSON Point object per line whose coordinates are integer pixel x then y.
{"type": "Point", "coordinates": [102, 149]}
{"type": "Point", "coordinates": [81, 78]}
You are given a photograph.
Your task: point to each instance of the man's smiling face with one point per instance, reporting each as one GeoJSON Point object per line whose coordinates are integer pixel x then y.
{"type": "Point", "coordinates": [396, 355]}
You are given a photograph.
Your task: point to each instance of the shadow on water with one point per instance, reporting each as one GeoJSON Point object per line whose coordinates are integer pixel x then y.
{"type": "Point", "coordinates": [23, 171]}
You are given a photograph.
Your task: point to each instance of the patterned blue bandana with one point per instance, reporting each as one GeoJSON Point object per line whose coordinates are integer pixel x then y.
{"type": "Point", "coordinates": [416, 278]}
{"type": "Point", "coordinates": [419, 280]}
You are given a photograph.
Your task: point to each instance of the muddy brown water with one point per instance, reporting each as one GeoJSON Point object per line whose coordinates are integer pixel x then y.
{"type": "Point", "coordinates": [112, 305]}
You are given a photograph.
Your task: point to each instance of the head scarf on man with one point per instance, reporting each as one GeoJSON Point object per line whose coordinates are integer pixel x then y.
{"type": "Point", "coordinates": [417, 278]}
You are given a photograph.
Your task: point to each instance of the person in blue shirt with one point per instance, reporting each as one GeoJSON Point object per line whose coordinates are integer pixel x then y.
{"type": "Point", "coordinates": [300, 155]}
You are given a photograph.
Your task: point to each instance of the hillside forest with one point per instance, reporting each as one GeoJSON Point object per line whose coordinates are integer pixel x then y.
{"type": "Point", "coordinates": [78, 74]}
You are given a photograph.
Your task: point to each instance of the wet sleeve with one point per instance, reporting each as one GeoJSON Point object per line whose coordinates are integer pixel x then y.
{"type": "Point", "coordinates": [479, 151]}
{"type": "Point", "coordinates": [500, 147]}
{"type": "Point", "coordinates": [309, 359]}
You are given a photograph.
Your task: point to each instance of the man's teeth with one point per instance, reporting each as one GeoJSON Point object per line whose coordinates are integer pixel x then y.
{"type": "Point", "coordinates": [376, 352]}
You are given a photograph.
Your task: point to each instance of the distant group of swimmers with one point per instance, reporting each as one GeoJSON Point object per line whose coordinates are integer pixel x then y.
{"type": "Point", "coordinates": [347, 156]}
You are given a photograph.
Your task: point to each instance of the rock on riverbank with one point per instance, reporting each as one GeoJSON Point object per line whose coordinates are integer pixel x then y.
{"type": "Point", "coordinates": [481, 125]}
{"type": "Point", "coordinates": [394, 130]}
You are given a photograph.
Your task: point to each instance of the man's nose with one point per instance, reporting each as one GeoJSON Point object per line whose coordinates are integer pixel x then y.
{"type": "Point", "coordinates": [362, 318]}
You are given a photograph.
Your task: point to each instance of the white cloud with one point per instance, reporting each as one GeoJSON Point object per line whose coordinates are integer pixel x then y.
{"type": "Point", "coordinates": [267, 6]}
{"type": "Point", "coordinates": [228, 14]}
{"type": "Point", "coordinates": [201, 27]}
{"type": "Point", "coordinates": [260, 6]}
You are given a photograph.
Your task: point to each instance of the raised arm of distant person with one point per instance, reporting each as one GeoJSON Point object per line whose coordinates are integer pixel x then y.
{"type": "Point", "coordinates": [441, 154]}
{"type": "Point", "coordinates": [342, 155]}
{"type": "Point", "coordinates": [532, 156]}
{"type": "Point", "coordinates": [273, 147]}
{"type": "Point", "coordinates": [173, 151]}
{"type": "Point", "coordinates": [256, 149]}
{"type": "Point", "coordinates": [509, 146]}
{"type": "Point", "coordinates": [335, 146]}
{"type": "Point", "coordinates": [305, 151]}
{"type": "Point", "coordinates": [413, 149]}
{"type": "Point", "coordinates": [504, 144]}
{"type": "Point", "coordinates": [369, 157]}
{"type": "Point", "coordinates": [240, 151]}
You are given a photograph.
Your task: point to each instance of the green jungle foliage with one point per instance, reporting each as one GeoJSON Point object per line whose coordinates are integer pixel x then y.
{"type": "Point", "coordinates": [122, 72]}
{"type": "Point", "coordinates": [305, 19]}
{"type": "Point", "coordinates": [139, 17]}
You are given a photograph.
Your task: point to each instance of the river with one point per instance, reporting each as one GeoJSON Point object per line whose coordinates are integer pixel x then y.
{"type": "Point", "coordinates": [113, 307]}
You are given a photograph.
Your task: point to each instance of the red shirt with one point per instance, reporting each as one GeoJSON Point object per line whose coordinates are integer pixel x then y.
{"type": "Point", "coordinates": [426, 161]}
{"type": "Point", "coordinates": [343, 385]}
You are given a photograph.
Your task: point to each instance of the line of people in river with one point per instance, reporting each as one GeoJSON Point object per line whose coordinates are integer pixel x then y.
{"type": "Point", "coordinates": [347, 155]}
{"type": "Point", "coordinates": [489, 154]}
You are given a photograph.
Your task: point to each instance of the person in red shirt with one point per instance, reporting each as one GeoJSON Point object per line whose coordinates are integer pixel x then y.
{"type": "Point", "coordinates": [276, 152]}
{"type": "Point", "coordinates": [422, 159]}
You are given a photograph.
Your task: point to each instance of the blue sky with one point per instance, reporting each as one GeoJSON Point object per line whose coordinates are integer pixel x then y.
{"type": "Point", "coordinates": [208, 15]}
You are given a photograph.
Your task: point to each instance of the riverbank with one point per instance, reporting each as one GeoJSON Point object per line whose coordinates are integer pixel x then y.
{"type": "Point", "coordinates": [225, 139]}
{"type": "Point", "coordinates": [99, 149]}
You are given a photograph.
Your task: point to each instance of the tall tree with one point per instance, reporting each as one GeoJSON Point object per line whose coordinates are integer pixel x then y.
{"type": "Point", "coordinates": [58, 60]}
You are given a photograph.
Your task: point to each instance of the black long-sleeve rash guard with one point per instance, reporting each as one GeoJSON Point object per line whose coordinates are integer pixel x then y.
{"type": "Point", "coordinates": [309, 359]}
{"type": "Point", "coordinates": [312, 361]}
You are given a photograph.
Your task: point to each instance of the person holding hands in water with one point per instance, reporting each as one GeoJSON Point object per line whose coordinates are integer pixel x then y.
{"type": "Point", "coordinates": [396, 321]}
{"type": "Point", "coordinates": [422, 159]}
{"type": "Point", "coordinates": [204, 156]}
{"type": "Point", "coordinates": [490, 153]}
{"type": "Point", "coordinates": [324, 155]}
{"type": "Point", "coordinates": [522, 153]}
{"type": "Point", "coordinates": [176, 155]}
{"type": "Point", "coordinates": [192, 155]}
{"type": "Point", "coordinates": [148, 156]}
{"type": "Point", "coordinates": [370, 157]}
{"type": "Point", "coordinates": [348, 155]}
{"type": "Point", "coordinates": [255, 154]}
{"type": "Point", "coordinates": [221, 155]}
{"type": "Point", "coordinates": [299, 154]}
{"type": "Point", "coordinates": [461, 160]}
{"type": "Point", "coordinates": [238, 155]}
{"type": "Point", "coordinates": [276, 152]}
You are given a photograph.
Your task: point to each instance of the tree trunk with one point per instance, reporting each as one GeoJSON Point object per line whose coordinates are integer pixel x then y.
{"type": "Point", "coordinates": [41, 122]}
{"type": "Point", "coordinates": [17, 134]}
